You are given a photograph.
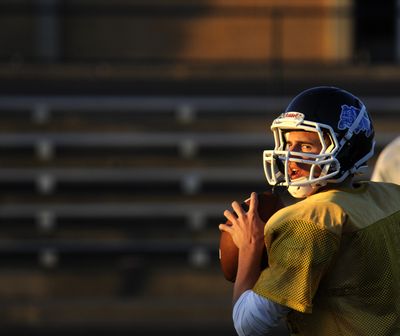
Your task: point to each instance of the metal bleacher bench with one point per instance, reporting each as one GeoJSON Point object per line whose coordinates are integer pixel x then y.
{"type": "Point", "coordinates": [187, 143]}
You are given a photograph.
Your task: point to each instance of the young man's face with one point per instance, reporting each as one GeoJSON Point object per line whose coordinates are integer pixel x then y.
{"type": "Point", "coordinates": [302, 142]}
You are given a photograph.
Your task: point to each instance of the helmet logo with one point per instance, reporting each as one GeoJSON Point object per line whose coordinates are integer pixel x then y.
{"type": "Point", "coordinates": [289, 117]}
{"type": "Point", "coordinates": [349, 115]}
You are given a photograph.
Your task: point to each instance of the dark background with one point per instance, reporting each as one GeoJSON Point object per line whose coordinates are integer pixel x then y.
{"type": "Point", "coordinates": [127, 127]}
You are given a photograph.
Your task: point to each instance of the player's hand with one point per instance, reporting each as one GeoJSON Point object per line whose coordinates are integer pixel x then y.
{"type": "Point", "coordinates": [247, 229]}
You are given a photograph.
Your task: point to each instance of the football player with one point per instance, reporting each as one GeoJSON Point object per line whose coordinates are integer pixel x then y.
{"type": "Point", "coordinates": [387, 165]}
{"type": "Point", "coordinates": [333, 257]}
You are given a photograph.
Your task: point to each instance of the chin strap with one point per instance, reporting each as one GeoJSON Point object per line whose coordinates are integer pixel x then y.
{"type": "Point", "coordinates": [301, 191]}
{"type": "Point", "coordinates": [304, 191]}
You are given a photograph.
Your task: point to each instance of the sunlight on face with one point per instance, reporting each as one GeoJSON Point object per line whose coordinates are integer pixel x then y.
{"type": "Point", "coordinates": [302, 142]}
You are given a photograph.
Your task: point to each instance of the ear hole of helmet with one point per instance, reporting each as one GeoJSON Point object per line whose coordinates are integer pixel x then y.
{"type": "Point", "coordinates": [330, 145]}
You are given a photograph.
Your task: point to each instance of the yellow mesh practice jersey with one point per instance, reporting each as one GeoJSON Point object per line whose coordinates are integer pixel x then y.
{"type": "Point", "coordinates": [334, 258]}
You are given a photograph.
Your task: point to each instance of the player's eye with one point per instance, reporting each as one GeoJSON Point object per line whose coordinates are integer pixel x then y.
{"type": "Point", "coordinates": [306, 148]}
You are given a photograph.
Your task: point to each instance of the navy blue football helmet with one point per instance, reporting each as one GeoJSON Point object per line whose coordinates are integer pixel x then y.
{"type": "Point", "coordinates": [345, 130]}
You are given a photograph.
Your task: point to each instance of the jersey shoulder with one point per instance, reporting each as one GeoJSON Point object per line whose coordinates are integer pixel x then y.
{"type": "Point", "coordinates": [319, 209]}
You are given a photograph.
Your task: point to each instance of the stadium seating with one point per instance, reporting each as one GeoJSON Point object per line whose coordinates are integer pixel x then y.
{"type": "Point", "coordinates": [109, 207]}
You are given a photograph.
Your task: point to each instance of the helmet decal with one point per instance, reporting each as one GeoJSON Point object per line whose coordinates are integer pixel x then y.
{"type": "Point", "coordinates": [349, 115]}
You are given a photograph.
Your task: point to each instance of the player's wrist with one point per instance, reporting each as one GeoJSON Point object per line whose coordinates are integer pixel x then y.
{"type": "Point", "coordinates": [250, 254]}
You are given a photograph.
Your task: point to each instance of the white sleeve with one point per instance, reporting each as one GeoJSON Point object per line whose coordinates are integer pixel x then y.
{"type": "Point", "coordinates": [254, 315]}
{"type": "Point", "coordinates": [387, 165]}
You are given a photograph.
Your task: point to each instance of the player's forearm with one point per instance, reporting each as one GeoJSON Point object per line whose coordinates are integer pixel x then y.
{"type": "Point", "coordinates": [248, 269]}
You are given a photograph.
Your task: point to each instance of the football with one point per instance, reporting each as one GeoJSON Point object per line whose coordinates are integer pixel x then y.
{"type": "Point", "coordinates": [268, 204]}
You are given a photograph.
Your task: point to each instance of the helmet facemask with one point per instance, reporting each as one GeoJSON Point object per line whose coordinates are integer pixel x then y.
{"type": "Point", "coordinates": [323, 166]}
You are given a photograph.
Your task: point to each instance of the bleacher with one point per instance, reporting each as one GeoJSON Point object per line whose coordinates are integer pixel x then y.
{"type": "Point", "coordinates": [110, 205]}
{"type": "Point", "coordinates": [109, 210]}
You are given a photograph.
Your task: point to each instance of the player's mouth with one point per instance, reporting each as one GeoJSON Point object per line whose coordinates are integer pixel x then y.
{"type": "Point", "coordinates": [295, 173]}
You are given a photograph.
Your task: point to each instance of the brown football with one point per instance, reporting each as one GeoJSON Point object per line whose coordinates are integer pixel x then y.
{"type": "Point", "coordinates": [268, 204]}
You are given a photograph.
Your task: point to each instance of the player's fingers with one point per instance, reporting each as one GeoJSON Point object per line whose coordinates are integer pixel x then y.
{"type": "Point", "coordinates": [230, 216]}
{"type": "Point", "coordinates": [238, 209]}
{"type": "Point", "coordinates": [225, 227]}
{"type": "Point", "coordinates": [253, 202]}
